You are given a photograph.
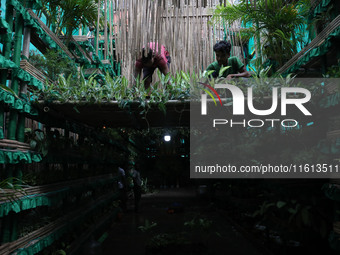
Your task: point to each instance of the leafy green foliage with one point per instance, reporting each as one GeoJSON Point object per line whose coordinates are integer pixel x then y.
{"type": "Point", "coordinates": [9, 90]}
{"type": "Point", "coordinates": [37, 140]}
{"type": "Point", "coordinates": [117, 89]}
{"type": "Point", "coordinates": [11, 188]}
{"type": "Point", "coordinates": [333, 72]}
{"type": "Point", "coordinates": [200, 224]}
{"type": "Point", "coordinates": [69, 14]}
{"type": "Point", "coordinates": [280, 24]}
{"type": "Point", "coordinates": [290, 215]}
{"type": "Point", "coordinates": [165, 240]}
{"type": "Point", "coordinates": [147, 226]}
{"type": "Point", "coordinates": [53, 64]}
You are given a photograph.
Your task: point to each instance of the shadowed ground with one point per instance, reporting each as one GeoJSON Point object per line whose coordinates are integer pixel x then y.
{"type": "Point", "coordinates": [170, 209]}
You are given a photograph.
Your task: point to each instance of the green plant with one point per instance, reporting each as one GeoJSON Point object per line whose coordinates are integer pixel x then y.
{"type": "Point", "coordinates": [243, 37]}
{"type": "Point", "coordinates": [333, 72]}
{"type": "Point", "coordinates": [321, 20]}
{"type": "Point", "coordinates": [37, 140]}
{"type": "Point", "coordinates": [9, 90]}
{"type": "Point", "coordinates": [117, 88]}
{"type": "Point", "coordinates": [69, 15]}
{"type": "Point", "coordinates": [59, 252]}
{"type": "Point", "coordinates": [8, 185]}
{"type": "Point", "coordinates": [53, 64]}
{"type": "Point", "coordinates": [280, 24]}
{"type": "Point", "coordinates": [165, 241]}
{"type": "Point", "coordinates": [287, 216]}
{"type": "Point", "coordinates": [200, 224]}
{"type": "Point", "coordinates": [147, 226]}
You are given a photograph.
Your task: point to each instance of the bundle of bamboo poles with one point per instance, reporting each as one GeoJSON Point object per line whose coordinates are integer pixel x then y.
{"type": "Point", "coordinates": [13, 144]}
{"type": "Point", "coordinates": [180, 25]}
{"type": "Point", "coordinates": [42, 190]}
{"type": "Point", "coordinates": [48, 230]}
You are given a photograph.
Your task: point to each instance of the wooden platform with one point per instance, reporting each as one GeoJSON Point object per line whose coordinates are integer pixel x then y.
{"type": "Point", "coordinates": [111, 115]}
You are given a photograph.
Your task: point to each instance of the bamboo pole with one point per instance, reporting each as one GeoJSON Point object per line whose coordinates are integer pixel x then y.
{"type": "Point", "coordinates": [6, 53]}
{"type": "Point", "coordinates": [111, 30]}
{"type": "Point", "coordinates": [12, 127]}
{"type": "Point", "coordinates": [97, 32]}
{"type": "Point", "coordinates": [106, 49]}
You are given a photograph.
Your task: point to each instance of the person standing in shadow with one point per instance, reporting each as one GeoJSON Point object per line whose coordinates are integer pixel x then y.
{"type": "Point", "coordinates": [137, 187]}
{"type": "Point", "coordinates": [122, 188]}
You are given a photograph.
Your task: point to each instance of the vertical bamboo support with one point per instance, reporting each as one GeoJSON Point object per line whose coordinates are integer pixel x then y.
{"type": "Point", "coordinates": [200, 62]}
{"type": "Point", "coordinates": [7, 42]}
{"type": "Point", "coordinates": [105, 31]}
{"type": "Point", "coordinates": [23, 88]}
{"type": "Point", "coordinates": [15, 82]}
{"type": "Point", "coordinates": [97, 31]}
{"type": "Point", "coordinates": [111, 30]}
{"type": "Point", "coordinates": [122, 34]}
{"type": "Point", "coordinates": [6, 53]}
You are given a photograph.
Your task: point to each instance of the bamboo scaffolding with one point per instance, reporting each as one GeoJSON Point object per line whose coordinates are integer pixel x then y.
{"type": "Point", "coordinates": [42, 190]}
{"type": "Point", "coordinates": [316, 42]}
{"type": "Point", "coordinates": [105, 31]}
{"type": "Point", "coordinates": [51, 34]}
{"type": "Point", "coordinates": [52, 227]}
{"type": "Point", "coordinates": [97, 31]}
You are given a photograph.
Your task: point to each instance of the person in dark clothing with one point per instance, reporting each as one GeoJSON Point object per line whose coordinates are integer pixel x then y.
{"type": "Point", "coordinates": [122, 188]}
{"type": "Point", "coordinates": [137, 187]}
{"type": "Point", "coordinates": [237, 68]}
{"type": "Point", "coordinates": [153, 60]}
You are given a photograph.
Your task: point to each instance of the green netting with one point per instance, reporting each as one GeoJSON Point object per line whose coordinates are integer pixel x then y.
{"type": "Point", "coordinates": [331, 191]}
{"type": "Point", "coordinates": [321, 7]}
{"type": "Point", "coordinates": [37, 5]}
{"type": "Point", "coordinates": [31, 22]}
{"type": "Point", "coordinates": [15, 157]}
{"type": "Point", "coordinates": [5, 37]}
{"type": "Point", "coordinates": [19, 73]}
{"type": "Point", "coordinates": [81, 58]}
{"type": "Point", "coordinates": [37, 245]}
{"type": "Point", "coordinates": [109, 69]}
{"type": "Point", "coordinates": [49, 198]}
{"type": "Point", "coordinates": [6, 63]}
{"type": "Point", "coordinates": [18, 104]}
{"type": "Point", "coordinates": [25, 204]}
{"type": "Point", "coordinates": [316, 52]}
{"type": "Point", "coordinates": [86, 45]}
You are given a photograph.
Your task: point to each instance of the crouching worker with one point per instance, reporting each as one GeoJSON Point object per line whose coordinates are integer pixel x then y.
{"type": "Point", "coordinates": [149, 62]}
{"type": "Point", "coordinates": [222, 52]}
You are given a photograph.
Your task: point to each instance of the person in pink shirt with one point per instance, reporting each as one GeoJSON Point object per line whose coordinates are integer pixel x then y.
{"type": "Point", "coordinates": [151, 61]}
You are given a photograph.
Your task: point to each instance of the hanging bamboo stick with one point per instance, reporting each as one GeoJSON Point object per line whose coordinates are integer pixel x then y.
{"type": "Point", "coordinates": [105, 30]}
{"type": "Point", "coordinates": [111, 28]}
{"type": "Point", "coordinates": [97, 32]}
